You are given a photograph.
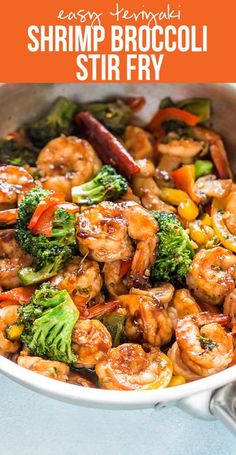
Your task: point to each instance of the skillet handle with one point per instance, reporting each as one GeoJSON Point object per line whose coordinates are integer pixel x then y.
{"type": "Point", "coordinates": [223, 405]}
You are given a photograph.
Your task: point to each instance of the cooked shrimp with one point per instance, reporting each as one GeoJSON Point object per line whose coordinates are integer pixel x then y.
{"type": "Point", "coordinates": [12, 259]}
{"type": "Point", "coordinates": [8, 316]}
{"type": "Point", "coordinates": [212, 275]}
{"type": "Point", "coordinates": [129, 367]}
{"type": "Point", "coordinates": [163, 178]}
{"type": "Point", "coordinates": [230, 212]}
{"type": "Point", "coordinates": [81, 278]}
{"type": "Point", "coordinates": [183, 305]}
{"type": "Point", "coordinates": [217, 150]}
{"type": "Point", "coordinates": [184, 148]}
{"type": "Point", "coordinates": [113, 277]}
{"type": "Point", "coordinates": [169, 162]}
{"type": "Point", "coordinates": [179, 367]}
{"type": "Point", "coordinates": [129, 196]}
{"type": "Point", "coordinates": [138, 142]}
{"type": "Point", "coordinates": [163, 293]}
{"type": "Point", "coordinates": [14, 181]}
{"type": "Point", "coordinates": [147, 168]}
{"type": "Point", "coordinates": [144, 185]}
{"type": "Point", "coordinates": [65, 162]}
{"type": "Point", "coordinates": [49, 368]}
{"type": "Point", "coordinates": [205, 347]}
{"type": "Point", "coordinates": [213, 309]}
{"type": "Point", "coordinates": [231, 202]}
{"type": "Point", "coordinates": [230, 306]}
{"type": "Point", "coordinates": [152, 202]}
{"type": "Point", "coordinates": [104, 232]}
{"type": "Point", "coordinates": [77, 379]}
{"type": "Point", "coordinates": [146, 188]}
{"type": "Point", "coordinates": [209, 186]}
{"type": "Point", "coordinates": [202, 234]}
{"type": "Point", "coordinates": [147, 319]}
{"type": "Point", "coordinates": [91, 342]}
{"type": "Point", "coordinates": [230, 221]}
{"type": "Point", "coordinates": [8, 217]}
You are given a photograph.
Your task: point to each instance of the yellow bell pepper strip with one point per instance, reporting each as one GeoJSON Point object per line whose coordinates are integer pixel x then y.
{"type": "Point", "coordinates": [177, 380]}
{"type": "Point", "coordinates": [173, 196]}
{"type": "Point", "coordinates": [14, 331]}
{"type": "Point", "coordinates": [188, 210]}
{"type": "Point", "coordinates": [206, 220]}
{"type": "Point", "coordinates": [227, 239]}
{"type": "Point", "coordinates": [197, 234]}
{"type": "Point", "coordinates": [184, 179]}
{"type": "Point", "coordinates": [171, 113]}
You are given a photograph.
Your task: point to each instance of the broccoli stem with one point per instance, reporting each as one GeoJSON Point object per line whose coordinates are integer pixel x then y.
{"type": "Point", "coordinates": [90, 195]}
{"type": "Point", "coordinates": [28, 275]}
{"type": "Point", "coordinates": [203, 167]}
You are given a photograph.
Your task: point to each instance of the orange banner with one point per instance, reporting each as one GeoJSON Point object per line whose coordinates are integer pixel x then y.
{"type": "Point", "coordinates": [112, 41]}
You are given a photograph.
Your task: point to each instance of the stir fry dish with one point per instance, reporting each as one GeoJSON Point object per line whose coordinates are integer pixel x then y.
{"type": "Point", "coordinates": [117, 245]}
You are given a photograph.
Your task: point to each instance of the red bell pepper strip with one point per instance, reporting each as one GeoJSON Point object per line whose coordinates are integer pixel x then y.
{"type": "Point", "coordinates": [109, 149]}
{"type": "Point", "coordinates": [45, 223]}
{"type": "Point", "coordinates": [49, 200]}
{"type": "Point", "coordinates": [184, 179]}
{"type": "Point", "coordinates": [16, 295]}
{"type": "Point", "coordinates": [171, 113]}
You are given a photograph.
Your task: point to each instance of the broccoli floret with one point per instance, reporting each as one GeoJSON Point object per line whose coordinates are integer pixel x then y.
{"type": "Point", "coordinates": [16, 154]}
{"type": "Point", "coordinates": [107, 184]}
{"type": "Point", "coordinates": [174, 251]}
{"type": "Point", "coordinates": [49, 253]}
{"type": "Point", "coordinates": [48, 321]}
{"type": "Point", "coordinates": [29, 205]}
{"type": "Point", "coordinates": [114, 115]}
{"type": "Point", "coordinates": [59, 120]}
